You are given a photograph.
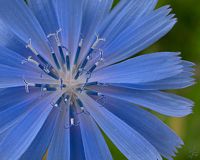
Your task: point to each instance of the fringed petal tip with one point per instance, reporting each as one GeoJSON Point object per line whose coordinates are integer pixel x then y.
{"type": "Point", "coordinates": [160, 70]}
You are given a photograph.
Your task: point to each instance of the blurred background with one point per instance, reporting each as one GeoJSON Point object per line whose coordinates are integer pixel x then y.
{"type": "Point", "coordinates": [184, 37]}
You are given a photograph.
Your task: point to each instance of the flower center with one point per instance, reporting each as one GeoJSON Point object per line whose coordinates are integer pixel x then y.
{"type": "Point", "coordinates": [70, 75]}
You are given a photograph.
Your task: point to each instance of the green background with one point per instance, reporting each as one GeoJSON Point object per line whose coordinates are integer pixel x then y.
{"type": "Point", "coordinates": [184, 37]}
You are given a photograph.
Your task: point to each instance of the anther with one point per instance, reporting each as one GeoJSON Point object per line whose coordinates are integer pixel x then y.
{"type": "Point", "coordinates": [48, 69]}
{"type": "Point", "coordinates": [80, 104]}
{"type": "Point", "coordinates": [43, 89]}
{"type": "Point", "coordinates": [91, 84]}
{"type": "Point", "coordinates": [56, 105]}
{"type": "Point", "coordinates": [93, 93]}
{"type": "Point", "coordinates": [96, 64]}
{"type": "Point", "coordinates": [48, 72]}
{"type": "Point", "coordinates": [43, 68]}
{"type": "Point", "coordinates": [93, 67]}
{"type": "Point", "coordinates": [77, 75]}
{"type": "Point", "coordinates": [72, 123]}
{"type": "Point", "coordinates": [49, 89]}
{"type": "Point", "coordinates": [67, 53]}
{"type": "Point", "coordinates": [78, 51]}
{"type": "Point", "coordinates": [81, 68]}
{"type": "Point", "coordinates": [85, 61]}
{"type": "Point", "coordinates": [55, 59]}
{"type": "Point", "coordinates": [73, 117]}
{"type": "Point", "coordinates": [57, 102]}
{"type": "Point", "coordinates": [66, 99]}
{"type": "Point", "coordinates": [29, 45]}
{"type": "Point", "coordinates": [58, 42]}
{"type": "Point", "coordinates": [46, 87]}
{"type": "Point", "coordinates": [61, 83]}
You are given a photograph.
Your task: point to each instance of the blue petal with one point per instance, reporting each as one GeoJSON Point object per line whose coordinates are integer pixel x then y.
{"type": "Point", "coordinates": [141, 69]}
{"type": "Point", "coordinates": [181, 80]}
{"type": "Point", "coordinates": [21, 136]}
{"type": "Point", "coordinates": [59, 147]}
{"type": "Point", "coordinates": [76, 144]}
{"type": "Point", "coordinates": [70, 14]}
{"type": "Point", "coordinates": [93, 15]}
{"type": "Point", "coordinates": [129, 142]}
{"type": "Point", "coordinates": [15, 113]}
{"type": "Point", "coordinates": [138, 35]}
{"type": "Point", "coordinates": [94, 144]}
{"type": "Point", "coordinates": [124, 14]}
{"type": "Point", "coordinates": [45, 13]}
{"type": "Point", "coordinates": [8, 97]}
{"type": "Point", "coordinates": [164, 103]}
{"type": "Point", "coordinates": [39, 146]}
{"type": "Point", "coordinates": [11, 41]}
{"type": "Point", "coordinates": [154, 130]}
{"type": "Point", "coordinates": [4, 134]}
{"type": "Point", "coordinates": [22, 22]}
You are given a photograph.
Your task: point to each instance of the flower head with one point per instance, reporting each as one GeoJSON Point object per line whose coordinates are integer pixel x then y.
{"type": "Point", "coordinates": [65, 74]}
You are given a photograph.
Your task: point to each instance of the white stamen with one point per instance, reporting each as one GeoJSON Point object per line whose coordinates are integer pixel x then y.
{"type": "Point", "coordinates": [81, 42]}
{"type": "Point", "coordinates": [97, 41]}
{"type": "Point", "coordinates": [56, 36]}
{"type": "Point", "coordinates": [99, 94]}
{"type": "Point", "coordinates": [67, 53]}
{"type": "Point", "coordinates": [44, 89]}
{"type": "Point", "coordinates": [54, 104]}
{"type": "Point", "coordinates": [29, 45]}
{"type": "Point", "coordinates": [97, 63]}
{"type": "Point", "coordinates": [72, 121]}
{"type": "Point", "coordinates": [32, 61]}
{"type": "Point", "coordinates": [88, 57]}
{"type": "Point", "coordinates": [66, 100]}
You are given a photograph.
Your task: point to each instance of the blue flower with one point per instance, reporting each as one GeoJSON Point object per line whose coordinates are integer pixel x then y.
{"type": "Point", "coordinates": [61, 80]}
